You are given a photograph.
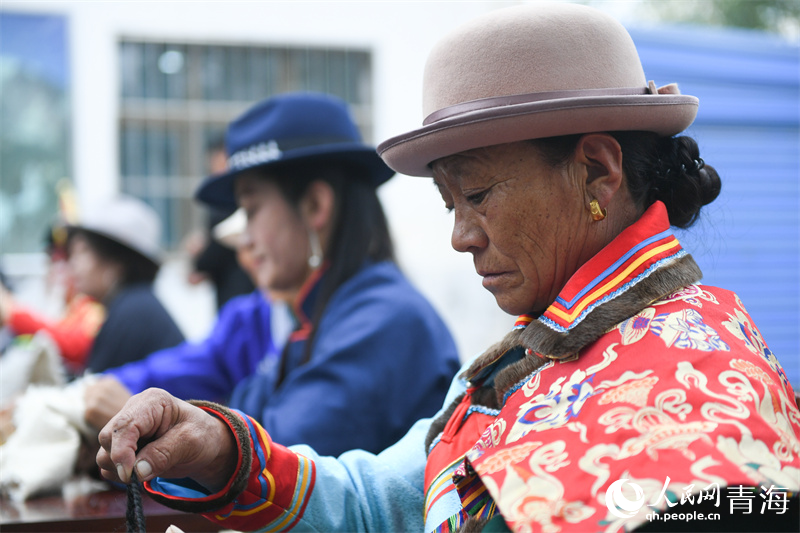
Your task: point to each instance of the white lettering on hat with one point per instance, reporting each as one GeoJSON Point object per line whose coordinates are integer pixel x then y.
{"type": "Point", "coordinates": [255, 155]}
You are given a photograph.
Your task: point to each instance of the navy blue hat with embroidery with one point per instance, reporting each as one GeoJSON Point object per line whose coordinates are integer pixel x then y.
{"type": "Point", "coordinates": [293, 127]}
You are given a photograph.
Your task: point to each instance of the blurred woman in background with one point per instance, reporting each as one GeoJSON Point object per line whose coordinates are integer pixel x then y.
{"type": "Point", "coordinates": [114, 256]}
{"type": "Point", "coordinates": [74, 332]}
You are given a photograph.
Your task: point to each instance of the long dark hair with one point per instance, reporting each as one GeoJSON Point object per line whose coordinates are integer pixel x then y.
{"type": "Point", "coordinates": [360, 231]}
{"type": "Point", "coordinates": [656, 168]}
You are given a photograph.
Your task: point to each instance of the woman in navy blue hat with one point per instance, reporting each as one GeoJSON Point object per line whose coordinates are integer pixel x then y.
{"type": "Point", "coordinates": [369, 355]}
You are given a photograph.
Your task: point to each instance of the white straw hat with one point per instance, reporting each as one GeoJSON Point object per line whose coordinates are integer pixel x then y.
{"type": "Point", "coordinates": [128, 221]}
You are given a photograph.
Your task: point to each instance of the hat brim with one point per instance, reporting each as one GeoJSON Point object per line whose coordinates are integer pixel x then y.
{"type": "Point", "coordinates": [413, 152]}
{"type": "Point", "coordinates": [218, 191]}
{"type": "Point", "coordinates": [153, 257]}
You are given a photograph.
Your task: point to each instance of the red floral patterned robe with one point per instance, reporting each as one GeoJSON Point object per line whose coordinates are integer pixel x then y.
{"type": "Point", "coordinates": [618, 395]}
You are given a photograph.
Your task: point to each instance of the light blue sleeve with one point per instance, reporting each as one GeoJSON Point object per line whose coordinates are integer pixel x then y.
{"type": "Point", "coordinates": [360, 491]}
{"type": "Point", "coordinates": [296, 488]}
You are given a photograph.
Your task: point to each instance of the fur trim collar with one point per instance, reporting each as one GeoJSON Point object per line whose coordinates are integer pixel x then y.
{"type": "Point", "coordinates": [542, 343]}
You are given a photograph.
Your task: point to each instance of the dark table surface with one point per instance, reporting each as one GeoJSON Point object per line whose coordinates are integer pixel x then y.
{"type": "Point", "coordinates": [101, 511]}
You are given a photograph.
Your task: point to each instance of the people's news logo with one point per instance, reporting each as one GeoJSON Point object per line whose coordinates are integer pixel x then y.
{"type": "Point", "coordinates": [740, 499]}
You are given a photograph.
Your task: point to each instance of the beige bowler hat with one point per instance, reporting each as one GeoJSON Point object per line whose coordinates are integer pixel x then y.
{"type": "Point", "coordinates": [533, 71]}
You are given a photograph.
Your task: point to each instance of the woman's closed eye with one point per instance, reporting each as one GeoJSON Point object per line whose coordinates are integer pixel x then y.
{"type": "Point", "coordinates": [477, 198]}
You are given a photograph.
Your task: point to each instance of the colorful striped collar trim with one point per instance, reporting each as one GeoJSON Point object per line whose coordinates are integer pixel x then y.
{"type": "Point", "coordinates": [303, 305]}
{"type": "Point", "coordinates": [634, 254]}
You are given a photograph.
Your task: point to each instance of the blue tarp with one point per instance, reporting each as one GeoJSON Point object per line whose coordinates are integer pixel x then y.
{"type": "Point", "coordinates": [748, 128]}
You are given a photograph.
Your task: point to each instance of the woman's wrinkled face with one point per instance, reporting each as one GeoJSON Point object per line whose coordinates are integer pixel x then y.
{"type": "Point", "coordinates": [522, 220]}
{"type": "Point", "coordinates": [91, 274]}
{"type": "Point", "coordinates": [276, 236]}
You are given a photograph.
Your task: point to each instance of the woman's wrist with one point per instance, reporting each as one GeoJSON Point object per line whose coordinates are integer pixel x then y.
{"type": "Point", "coordinates": [229, 470]}
{"type": "Point", "coordinates": [224, 473]}
{"type": "Point", "coordinates": [222, 468]}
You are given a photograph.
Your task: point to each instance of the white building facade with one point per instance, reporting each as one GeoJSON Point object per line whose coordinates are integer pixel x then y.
{"type": "Point", "coordinates": [391, 38]}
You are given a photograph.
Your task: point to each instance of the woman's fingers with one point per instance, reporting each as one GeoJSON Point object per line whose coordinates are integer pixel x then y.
{"type": "Point", "coordinates": [148, 415]}
{"type": "Point", "coordinates": [160, 435]}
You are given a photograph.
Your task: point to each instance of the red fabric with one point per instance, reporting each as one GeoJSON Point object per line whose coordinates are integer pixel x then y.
{"type": "Point", "coordinates": [73, 334]}
{"type": "Point", "coordinates": [463, 429]}
{"type": "Point", "coordinates": [638, 249]}
{"type": "Point", "coordinates": [686, 393]}
{"type": "Point", "coordinates": [260, 505]}
{"type": "Point", "coordinates": [684, 398]}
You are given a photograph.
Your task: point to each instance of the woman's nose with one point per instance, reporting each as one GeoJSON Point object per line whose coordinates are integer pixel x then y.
{"type": "Point", "coordinates": [468, 236]}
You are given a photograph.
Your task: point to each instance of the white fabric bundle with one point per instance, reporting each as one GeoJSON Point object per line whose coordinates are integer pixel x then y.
{"type": "Point", "coordinates": [41, 454]}
{"type": "Point", "coordinates": [24, 363]}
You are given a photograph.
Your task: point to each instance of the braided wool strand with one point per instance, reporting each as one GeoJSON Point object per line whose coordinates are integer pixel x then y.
{"type": "Point", "coordinates": [134, 516]}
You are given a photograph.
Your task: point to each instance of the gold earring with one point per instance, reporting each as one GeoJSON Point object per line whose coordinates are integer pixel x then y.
{"type": "Point", "coordinates": [598, 213]}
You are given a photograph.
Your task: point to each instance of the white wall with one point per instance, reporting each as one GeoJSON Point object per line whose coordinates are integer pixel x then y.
{"type": "Point", "coordinates": [400, 34]}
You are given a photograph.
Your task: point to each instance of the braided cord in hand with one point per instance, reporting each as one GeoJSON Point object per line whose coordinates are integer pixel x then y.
{"type": "Point", "coordinates": [134, 517]}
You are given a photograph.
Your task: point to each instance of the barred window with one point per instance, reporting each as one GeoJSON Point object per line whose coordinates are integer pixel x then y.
{"type": "Point", "coordinates": [177, 99]}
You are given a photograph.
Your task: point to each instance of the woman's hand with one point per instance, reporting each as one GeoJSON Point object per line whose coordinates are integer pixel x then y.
{"type": "Point", "coordinates": [182, 441]}
{"type": "Point", "coordinates": [104, 398]}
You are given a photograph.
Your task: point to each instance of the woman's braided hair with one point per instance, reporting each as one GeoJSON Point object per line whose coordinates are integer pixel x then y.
{"type": "Point", "coordinates": [656, 168]}
{"type": "Point", "coordinates": [668, 169]}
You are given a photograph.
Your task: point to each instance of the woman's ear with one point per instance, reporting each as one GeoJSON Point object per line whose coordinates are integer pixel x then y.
{"type": "Point", "coordinates": [317, 205]}
{"type": "Point", "coordinates": [601, 155]}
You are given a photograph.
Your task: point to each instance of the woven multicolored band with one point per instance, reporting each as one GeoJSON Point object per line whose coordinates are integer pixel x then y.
{"type": "Point", "coordinates": [632, 256]}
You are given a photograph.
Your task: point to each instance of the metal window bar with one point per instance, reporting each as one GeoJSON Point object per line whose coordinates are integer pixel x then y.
{"type": "Point", "coordinates": [177, 97]}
